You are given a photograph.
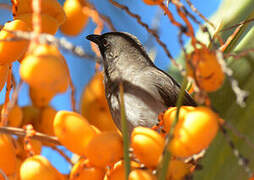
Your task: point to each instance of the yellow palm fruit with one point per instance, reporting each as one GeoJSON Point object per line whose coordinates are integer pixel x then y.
{"type": "Point", "coordinates": [177, 169]}
{"type": "Point", "coordinates": [105, 149]}
{"type": "Point", "coordinates": [73, 131]}
{"type": "Point", "coordinates": [45, 69]}
{"type": "Point", "coordinates": [11, 51]}
{"type": "Point", "coordinates": [169, 115]}
{"type": "Point", "coordinates": [153, 2]}
{"type": "Point", "coordinates": [45, 121]}
{"type": "Point", "coordinates": [94, 105]}
{"type": "Point", "coordinates": [8, 162]}
{"type": "Point", "coordinates": [3, 75]}
{"type": "Point", "coordinates": [194, 133]}
{"type": "Point", "coordinates": [41, 97]}
{"type": "Point", "coordinates": [140, 174]}
{"type": "Point", "coordinates": [118, 170]}
{"type": "Point", "coordinates": [39, 168]}
{"type": "Point", "coordinates": [48, 24]}
{"type": "Point", "coordinates": [30, 115]}
{"type": "Point", "coordinates": [75, 18]}
{"type": "Point", "coordinates": [83, 170]}
{"type": "Point", "coordinates": [15, 116]}
{"type": "Point", "coordinates": [205, 68]}
{"type": "Point", "coordinates": [50, 7]}
{"type": "Point", "coordinates": [147, 145]}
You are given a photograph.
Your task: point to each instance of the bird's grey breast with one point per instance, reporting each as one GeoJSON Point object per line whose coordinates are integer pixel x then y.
{"type": "Point", "coordinates": [141, 105]}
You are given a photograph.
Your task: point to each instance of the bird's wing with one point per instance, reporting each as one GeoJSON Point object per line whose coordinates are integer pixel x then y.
{"type": "Point", "coordinates": [161, 86]}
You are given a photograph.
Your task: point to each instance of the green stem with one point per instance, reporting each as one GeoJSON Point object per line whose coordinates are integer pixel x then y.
{"type": "Point", "coordinates": [166, 155]}
{"type": "Point", "coordinates": [124, 128]}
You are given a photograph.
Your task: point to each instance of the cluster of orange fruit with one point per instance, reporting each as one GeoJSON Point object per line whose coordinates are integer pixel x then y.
{"type": "Point", "coordinates": [102, 145]}
{"type": "Point", "coordinates": [71, 21]}
{"type": "Point", "coordinates": [93, 135]}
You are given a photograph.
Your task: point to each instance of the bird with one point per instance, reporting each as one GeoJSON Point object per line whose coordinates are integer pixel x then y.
{"type": "Point", "coordinates": [148, 90]}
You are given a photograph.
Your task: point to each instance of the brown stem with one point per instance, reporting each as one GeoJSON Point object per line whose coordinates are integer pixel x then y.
{"type": "Point", "coordinates": [21, 132]}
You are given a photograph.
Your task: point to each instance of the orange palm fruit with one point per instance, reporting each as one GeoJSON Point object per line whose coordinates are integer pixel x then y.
{"type": "Point", "coordinates": [39, 168]}
{"type": "Point", "coordinates": [45, 121]}
{"type": "Point", "coordinates": [8, 162]}
{"type": "Point", "coordinates": [147, 146]}
{"type": "Point", "coordinates": [30, 114]}
{"type": "Point", "coordinates": [94, 105]}
{"type": "Point", "coordinates": [11, 51]}
{"type": "Point", "coordinates": [3, 75]}
{"type": "Point", "coordinates": [48, 24]}
{"type": "Point", "coordinates": [73, 131]}
{"type": "Point", "coordinates": [177, 169]}
{"type": "Point", "coordinates": [169, 115]}
{"type": "Point", "coordinates": [195, 132]}
{"type": "Point", "coordinates": [45, 69]}
{"type": "Point", "coordinates": [153, 2]}
{"type": "Point", "coordinates": [204, 67]}
{"type": "Point", "coordinates": [50, 7]}
{"type": "Point", "coordinates": [15, 116]}
{"type": "Point", "coordinates": [76, 19]}
{"type": "Point", "coordinates": [83, 170]}
{"type": "Point", "coordinates": [41, 97]}
{"type": "Point", "coordinates": [140, 174]}
{"type": "Point", "coordinates": [105, 149]}
{"type": "Point", "coordinates": [118, 170]}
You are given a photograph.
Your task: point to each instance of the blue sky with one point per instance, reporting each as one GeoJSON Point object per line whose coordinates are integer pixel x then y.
{"type": "Point", "coordinates": [82, 70]}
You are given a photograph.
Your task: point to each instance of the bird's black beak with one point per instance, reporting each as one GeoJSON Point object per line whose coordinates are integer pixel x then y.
{"type": "Point", "coordinates": [94, 38]}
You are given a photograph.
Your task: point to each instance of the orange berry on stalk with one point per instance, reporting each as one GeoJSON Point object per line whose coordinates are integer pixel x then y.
{"type": "Point", "coordinates": [48, 24]}
{"type": "Point", "coordinates": [118, 170]}
{"type": "Point", "coordinates": [177, 169]}
{"type": "Point", "coordinates": [8, 162]}
{"type": "Point", "coordinates": [12, 50]}
{"type": "Point", "coordinates": [147, 145]}
{"type": "Point", "coordinates": [41, 97]}
{"type": "Point", "coordinates": [195, 132]}
{"type": "Point", "coordinates": [83, 170]}
{"type": "Point", "coordinates": [45, 121]}
{"type": "Point", "coordinates": [76, 19]}
{"type": "Point", "coordinates": [153, 2]}
{"type": "Point", "coordinates": [30, 115]}
{"type": "Point", "coordinates": [204, 67]}
{"type": "Point", "coordinates": [141, 174]}
{"type": "Point", "coordinates": [15, 116]}
{"type": "Point", "coordinates": [50, 7]}
{"type": "Point", "coordinates": [94, 105]}
{"type": "Point", "coordinates": [39, 168]}
{"type": "Point", "coordinates": [73, 131]}
{"type": "Point", "coordinates": [45, 69]}
{"type": "Point", "coordinates": [169, 115]}
{"type": "Point", "coordinates": [105, 149]}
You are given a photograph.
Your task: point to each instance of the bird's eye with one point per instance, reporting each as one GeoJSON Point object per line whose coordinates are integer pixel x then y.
{"type": "Point", "coordinates": [105, 42]}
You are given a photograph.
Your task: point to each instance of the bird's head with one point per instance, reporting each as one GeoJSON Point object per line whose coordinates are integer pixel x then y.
{"type": "Point", "coordinates": [120, 46]}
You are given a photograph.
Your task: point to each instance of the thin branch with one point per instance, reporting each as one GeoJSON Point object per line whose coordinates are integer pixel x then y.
{"type": "Point", "coordinates": [194, 9]}
{"type": "Point", "coordinates": [236, 25]}
{"type": "Point", "coordinates": [241, 95]}
{"type": "Point", "coordinates": [104, 18]}
{"type": "Point", "coordinates": [21, 132]}
{"type": "Point", "coordinates": [237, 55]}
{"type": "Point", "coordinates": [50, 39]}
{"type": "Point", "coordinates": [238, 134]}
{"type": "Point", "coordinates": [151, 31]}
{"type": "Point", "coordinates": [62, 154]}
